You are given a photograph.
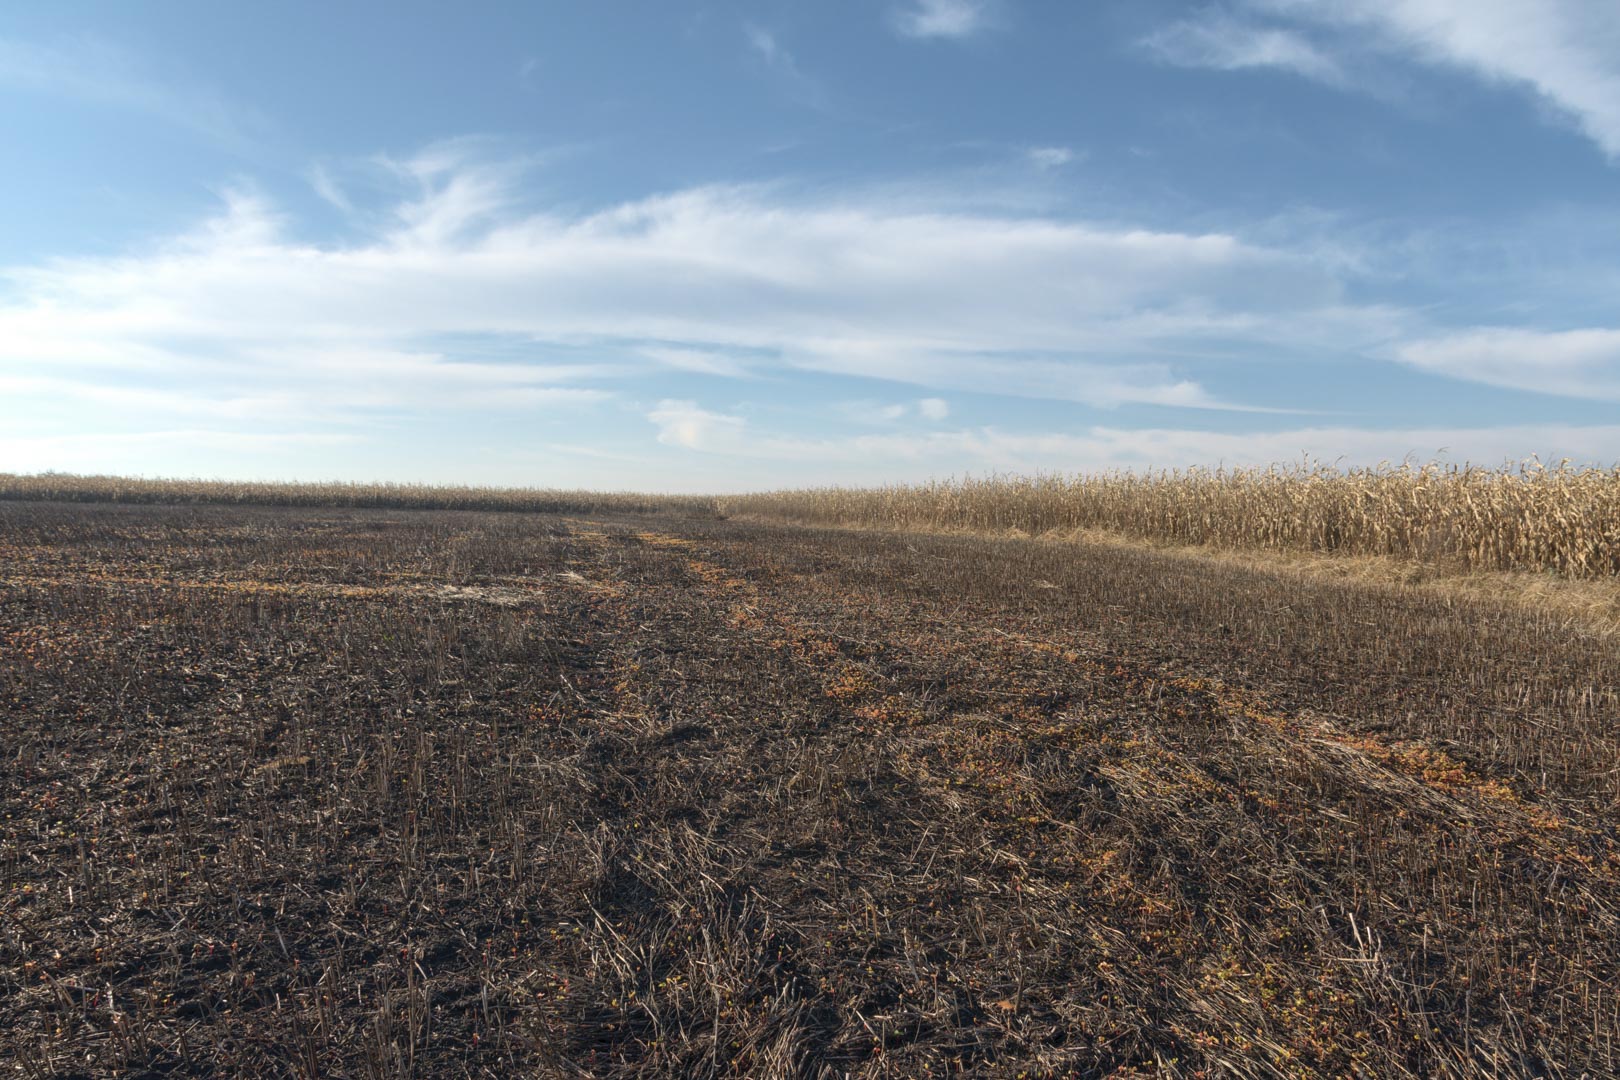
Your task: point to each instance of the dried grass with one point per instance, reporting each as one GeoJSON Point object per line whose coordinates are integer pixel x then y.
{"type": "Point", "coordinates": [68, 487]}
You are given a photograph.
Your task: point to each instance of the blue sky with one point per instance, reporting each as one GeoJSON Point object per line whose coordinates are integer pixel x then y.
{"type": "Point", "coordinates": [726, 245]}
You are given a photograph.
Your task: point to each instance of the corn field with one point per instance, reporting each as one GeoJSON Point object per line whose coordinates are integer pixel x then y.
{"type": "Point", "coordinates": [1525, 517]}
{"type": "Point", "coordinates": [1531, 517]}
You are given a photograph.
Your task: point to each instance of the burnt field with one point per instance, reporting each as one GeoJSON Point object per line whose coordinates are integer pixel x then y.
{"type": "Point", "coordinates": [303, 792]}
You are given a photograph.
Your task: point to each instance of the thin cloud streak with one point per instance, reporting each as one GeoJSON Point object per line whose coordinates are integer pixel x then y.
{"type": "Point", "coordinates": [1574, 363]}
{"type": "Point", "coordinates": [941, 18]}
{"type": "Point", "coordinates": [1050, 157]}
{"type": "Point", "coordinates": [104, 75]}
{"type": "Point", "coordinates": [1220, 41]}
{"type": "Point", "coordinates": [778, 59]}
{"type": "Point", "coordinates": [918, 455]}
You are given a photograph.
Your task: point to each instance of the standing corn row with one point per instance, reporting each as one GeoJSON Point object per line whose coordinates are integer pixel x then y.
{"type": "Point", "coordinates": [1521, 517]}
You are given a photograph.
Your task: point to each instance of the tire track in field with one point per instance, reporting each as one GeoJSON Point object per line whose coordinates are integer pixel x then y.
{"type": "Point", "coordinates": [1421, 789]}
{"type": "Point", "coordinates": [822, 762]}
{"type": "Point", "coordinates": [511, 594]}
{"type": "Point", "coordinates": [1409, 770]}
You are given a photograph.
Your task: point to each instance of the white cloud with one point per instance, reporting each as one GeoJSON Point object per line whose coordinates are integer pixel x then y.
{"type": "Point", "coordinates": [765, 458]}
{"type": "Point", "coordinates": [879, 414]}
{"type": "Point", "coordinates": [941, 18]}
{"type": "Point", "coordinates": [127, 453]}
{"type": "Point", "coordinates": [1104, 447]}
{"type": "Point", "coordinates": [458, 190]}
{"type": "Point", "coordinates": [1050, 157]}
{"type": "Point", "coordinates": [778, 59]}
{"type": "Point", "coordinates": [698, 361]}
{"type": "Point", "coordinates": [718, 279]}
{"type": "Point", "coordinates": [1576, 363]}
{"type": "Point", "coordinates": [149, 401]}
{"type": "Point", "coordinates": [1567, 52]}
{"type": "Point", "coordinates": [1218, 40]}
{"type": "Point", "coordinates": [764, 43]}
{"type": "Point", "coordinates": [1068, 379]}
{"type": "Point", "coordinates": [685, 424]}
{"type": "Point", "coordinates": [327, 188]}
{"type": "Point", "coordinates": [872, 412]}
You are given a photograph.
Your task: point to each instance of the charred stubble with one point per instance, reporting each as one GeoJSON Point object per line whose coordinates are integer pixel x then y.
{"type": "Point", "coordinates": [378, 793]}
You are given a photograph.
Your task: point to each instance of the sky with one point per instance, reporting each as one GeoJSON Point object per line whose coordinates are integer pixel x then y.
{"type": "Point", "coordinates": [722, 245]}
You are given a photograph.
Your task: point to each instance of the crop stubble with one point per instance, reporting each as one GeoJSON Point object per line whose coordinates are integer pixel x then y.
{"type": "Point", "coordinates": [366, 792]}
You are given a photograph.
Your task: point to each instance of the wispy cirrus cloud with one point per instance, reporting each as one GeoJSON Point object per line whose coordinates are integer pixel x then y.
{"type": "Point", "coordinates": [1049, 157]}
{"type": "Point", "coordinates": [456, 296]}
{"type": "Point", "coordinates": [1575, 363]}
{"type": "Point", "coordinates": [768, 47]}
{"type": "Point", "coordinates": [324, 184]}
{"type": "Point", "coordinates": [126, 452]}
{"type": "Point", "coordinates": [1565, 52]}
{"type": "Point", "coordinates": [103, 74]}
{"type": "Point", "coordinates": [916, 455]}
{"type": "Point", "coordinates": [1217, 39]}
{"type": "Point", "coordinates": [699, 361]}
{"type": "Point", "coordinates": [874, 413]}
{"type": "Point", "coordinates": [941, 18]}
